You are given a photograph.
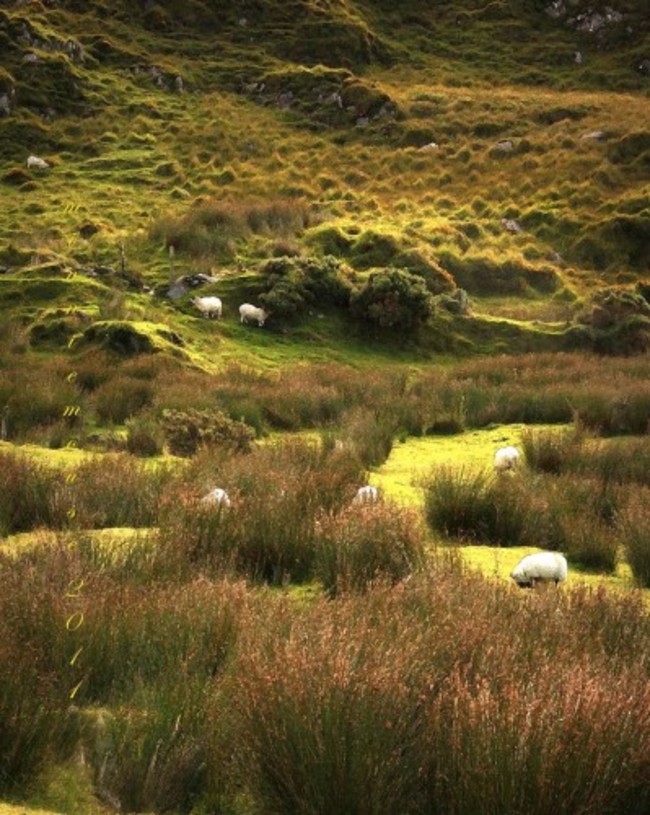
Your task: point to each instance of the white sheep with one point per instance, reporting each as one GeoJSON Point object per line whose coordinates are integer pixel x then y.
{"type": "Point", "coordinates": [37, 163]}
{"type": "Point", "coordinates": [542, 567]}
{"type": "Point", "coordinates": [249, 312]}
{"type": "Point", "coordinates": [506, 458]}
{"type": "Point", "coordinates": [366, 495]}
{"type": "Point", "coordinates": [209, 306]}
{"type": "Point", "coordinates": [217, 497]}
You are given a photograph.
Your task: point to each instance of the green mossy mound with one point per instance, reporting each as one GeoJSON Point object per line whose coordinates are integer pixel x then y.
{"type": "Point", "coordinates": [129, 339]}
{"type": "Point", "coordinates": [485, 276]}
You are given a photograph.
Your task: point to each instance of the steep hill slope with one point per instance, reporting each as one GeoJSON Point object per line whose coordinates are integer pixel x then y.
{"type": "Point", "coordinates": [499, 148]}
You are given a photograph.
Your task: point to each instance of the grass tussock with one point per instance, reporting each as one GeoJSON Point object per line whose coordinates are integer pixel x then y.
{"type": "Point", "coordinates": [213, 227]}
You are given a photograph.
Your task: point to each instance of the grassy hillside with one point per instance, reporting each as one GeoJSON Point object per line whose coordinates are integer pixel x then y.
{"type": "Point", "coordinates": [463, 144]}
{"type": "Point", "coordinates": [445, 208]}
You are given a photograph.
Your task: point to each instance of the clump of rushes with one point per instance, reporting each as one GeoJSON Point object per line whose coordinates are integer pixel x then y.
{"type": "Point", "coordinates": [26, 495]}
{"type": "Point", "coordinates": [475, 505]}
{"type": "Point", "coordinates": [549, 451]}
{"type": "Point", "coordinates": [112, 491]}
{"type": "Point", "coordinates": [633, 526]}
{"type": "Point", "coordinates": [418, 698]}
{"type": "Point", "coordinates": [365, 544]}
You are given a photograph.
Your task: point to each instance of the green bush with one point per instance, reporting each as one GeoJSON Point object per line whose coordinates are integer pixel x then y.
{"type": "Point", "coordinates": [395, 300]}
{"type": "Point", "coordinates": [187, 431]}
{"type": "Point", "coordinates": [294, 283]}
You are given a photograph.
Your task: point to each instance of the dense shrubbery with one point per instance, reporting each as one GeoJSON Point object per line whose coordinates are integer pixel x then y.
{"type": "Point", "coordinates": [294, 284]}
{"type": "Point", "coordinates": [395, 300]}
{"type": "Point", "coordinates": [187, 431]}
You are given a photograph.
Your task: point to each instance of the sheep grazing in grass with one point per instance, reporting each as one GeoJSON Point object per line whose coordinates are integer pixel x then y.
{"type": "Point", "coordinates": [366, 495]}
{"type": "Point", "coordinates": [217, 497]}
{"type": "Point", "coordinates": [542, 567]}
{"type": "Point", "coordinates": [209, 306]}
{"type": "Point", "coordinates": [506, 458]}
{"type": "Point", "coordinates": [250, 313]}
{"type": "Point", "coordinates": [35, 162]}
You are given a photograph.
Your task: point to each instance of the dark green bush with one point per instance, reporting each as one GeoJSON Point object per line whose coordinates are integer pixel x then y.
{"type": "Point", "coordinates": [295, 283]}
{"type": "Point", "coordinates": [187, 431]}
{"type": "Point", "coordinates": [395, 300]}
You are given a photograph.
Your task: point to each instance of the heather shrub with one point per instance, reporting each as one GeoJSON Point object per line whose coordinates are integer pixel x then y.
{"type": "Point", "coordinates": [365, 544]}
{"type": "Point", "coordinates": [188, 430]}
{"type": "Point", "coordinates": [294, 283]}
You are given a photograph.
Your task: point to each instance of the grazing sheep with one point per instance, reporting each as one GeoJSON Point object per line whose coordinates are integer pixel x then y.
{"type": "Point", "coordinates": [217, 497]}
{"type": "Point", "coordinates": [248, 312]}
{"type": "Point", "coordinates": [506, 458]}
{"type": "Point", "coordinates": [366, 495]}
{"type": "Point", "coordinates": [542, 567]}
{"type": "Point", "coordinates": [209, 306]}
{"type": "Point", "coordinates": [37, 162]}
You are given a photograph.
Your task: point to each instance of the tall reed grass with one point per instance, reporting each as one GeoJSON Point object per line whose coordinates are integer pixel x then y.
{"type": "Point", "coordinates": [448, 695]}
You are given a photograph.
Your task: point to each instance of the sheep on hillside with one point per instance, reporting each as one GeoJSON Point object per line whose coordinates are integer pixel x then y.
{"type": "Point", "coordinates": [366, 495]}
{"type": "Point", "coordinates": [541, 567]}
{"type": "Point", "coordinates": [248, 312]}
{"type": "Point", "coordinates": [506, 458]}
{"type": "Point", "coordinates": [209, 306]}
{"type": "Point", "coordinates": [37, 163]}
{"type": "Point", "coordinates": [217, 497]}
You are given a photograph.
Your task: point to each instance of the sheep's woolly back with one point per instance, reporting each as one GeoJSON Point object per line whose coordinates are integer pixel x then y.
{"type": "Point", "coordinates": [506, 458]}
{"type": "Point", "coordinates": [541, 566]}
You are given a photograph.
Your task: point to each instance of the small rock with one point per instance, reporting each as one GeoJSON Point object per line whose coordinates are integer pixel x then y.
{"type": "Point", "coordinates": [644, 67]}
{"type": "Point", "coordinates": [5, 104]}
{"type": "Point", "coordinates": [594, 135]}
{"type": "Point", "coordinates": [429, 148]}
{"type": "Point", "coordinates": [88, 229]}
{"type": "Point", "coordinates": [362, 121]}
{"type": "Point", "coordinates": [556, 10]}
{"type": "Point", "coordinates": [179, 85]}
{"type": "Point", "coordinates": [577, 58]}
{"type": "Point", "coordinates": [511, 225]}
{"type": "Point", "coordinates": [505, 146]}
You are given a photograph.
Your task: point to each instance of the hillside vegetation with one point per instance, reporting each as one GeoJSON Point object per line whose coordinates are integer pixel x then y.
{"type": "Point", "coordinates": [445, 208]}
{"type": "Point", "coordinates": [499, 148]}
